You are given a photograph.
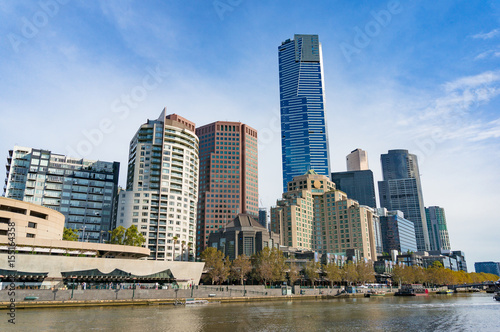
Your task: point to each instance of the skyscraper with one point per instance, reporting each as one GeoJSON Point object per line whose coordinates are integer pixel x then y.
{"type": "Point", "coordinates": [357, 160]}
{"type": "Point", "coordinates": [357, 182]}
{"type": "Point", "coordinates": [398, 233]}
{"type": "Point", "coordinates": [401, 190]}
{"type": "Point", "coordinates": [83, 190]}
{"type": "Point", "coordinates": [162, 186]}
{"type": "Point", "coordinates": [228, 176]}
{"type": "Point", "coordinates": [438, 231]}
{"type": "Point", "coordinates": [304, 136]}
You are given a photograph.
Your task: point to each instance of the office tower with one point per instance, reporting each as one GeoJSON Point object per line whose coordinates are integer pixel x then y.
{"type": "Point", "coordinates": [304, 135]}
{"type": "Point", "coordinates": [398, 233]}
{"type": "Point", "coordinates": [357, 185]}
{"type": "Point", "coordinates": [313, 215]}
{"type": "Point", "coordinates": [357, 160]}
{"type": "Point", "coordinates": [228, 176]}
{"type": "Point", "coordinates": [436, 225]}
{"type": "Point", "coordinates": [401, 190]}
{"type": "Point", "coordinates": [84, 191]}
{"type": "Point", "coordinates": [263, 217]}
{"type": "Point", "coordinates": [487, 267]}
{"type": "Point", "coordinates": [162, 187]}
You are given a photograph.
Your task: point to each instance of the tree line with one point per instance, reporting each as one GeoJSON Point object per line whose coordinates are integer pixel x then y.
{"type": "Point", "coordinates": [269, 266]}
{"type": "Point", "coordinates": [437, 275]}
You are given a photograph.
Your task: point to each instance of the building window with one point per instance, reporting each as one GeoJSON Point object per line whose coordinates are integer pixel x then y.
{"type": "Point", "coordinates": [30, 235]}
{"type": "Point", "coordinates": [31, 225]}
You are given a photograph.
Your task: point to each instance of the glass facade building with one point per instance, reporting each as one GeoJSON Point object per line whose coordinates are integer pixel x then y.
{"type": "Point", "coordinates": [228, 176]}
{"type": "Point", "coordinates": [398, 233]}
{"type": "Point", "coordinates": [357, 185]}
{"type": "Point", "coordinates": [487, 267]}
{"type": "Point", "coordinates": [162, 187]}
{"type": "Point", "coordinates": [304, 136]}
{"type": "Point", "coordinates": [401, 190]}
{"type": "Point", "coordinates": [84, 191]}
{"type": "Point", "coordinates": [438, 231]}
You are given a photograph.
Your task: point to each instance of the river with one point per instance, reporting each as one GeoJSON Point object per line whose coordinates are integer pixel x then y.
{"type": "Point", "coordinates": [467, 312]}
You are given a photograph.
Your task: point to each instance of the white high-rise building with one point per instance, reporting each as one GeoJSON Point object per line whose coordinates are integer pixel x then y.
{"type": "Point", "coordinates": [162, 187]}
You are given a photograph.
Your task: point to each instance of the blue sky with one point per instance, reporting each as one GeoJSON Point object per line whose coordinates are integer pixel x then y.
{"type": "Point", "coordinates": [419, 75]}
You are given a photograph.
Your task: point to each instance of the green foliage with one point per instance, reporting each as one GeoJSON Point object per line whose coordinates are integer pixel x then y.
{"type": "Point", "coordinates": [117, 235]}
{"type": "Point", "coordinates": [332, 273]}
{"type": "Point", "coordinates": [127, 236]}
{"type": "Point", "coordinates": [133, 237]}
{"type": "Point", "coordinates": [311, 271]}
{"type": "Point", "coordinates": [349, 273]}
{"type": "Point", "coordinates": [217, 268]}
{"type": "Point", "coordinates": [365, 272]}
{"type": "Point", "coordinates": [70, 234]}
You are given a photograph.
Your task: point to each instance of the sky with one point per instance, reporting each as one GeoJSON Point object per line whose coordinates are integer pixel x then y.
{"type": "Point", "coordinates": [80, 77]}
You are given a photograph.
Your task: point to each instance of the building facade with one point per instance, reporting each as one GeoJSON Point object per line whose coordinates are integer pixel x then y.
{"type": "Point", "coordinates": [263, 217]}
{"type": "Point", "coordinates": [304, 142]}
{"type": "Point", "coordinates": [162, 187]}
{"type": "Point", "coordinates": [228, 176]}
{"type": "Point", "coordinates": [401, 190]}
{"type": "Point", "coordinates": [44, 260]}
{"type": "Point", "coordinates": [487, 267]}
{"type": "Point", "coordinates": [243, 235]}
{"type": "Point", "coordinates": [398, 233]}
{"type": "Point", "coordinates": [357, 160]}
{"type": "Point", "coordinates": [84, 191]}
{"type": "Point", "coordinates": [357, 185]}
{"type": "Point", "coordinates": [313, 215]}
{"type": "Point", "coordinates": [438, 231]}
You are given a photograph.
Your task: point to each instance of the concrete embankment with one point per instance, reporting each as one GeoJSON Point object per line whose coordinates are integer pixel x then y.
{"type": "Point", "coordinates": [37, 298]}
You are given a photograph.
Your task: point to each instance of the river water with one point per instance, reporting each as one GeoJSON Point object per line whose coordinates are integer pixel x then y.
{"type": "Point", "coordinates": [467, 312]}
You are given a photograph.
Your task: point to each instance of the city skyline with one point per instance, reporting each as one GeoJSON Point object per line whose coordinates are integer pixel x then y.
{"type": "Point", "coordinates": [84, 79]}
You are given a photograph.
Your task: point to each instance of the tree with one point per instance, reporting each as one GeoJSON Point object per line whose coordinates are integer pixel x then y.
{"type": "Point", "coordinates": [293, 273]}
{"type": "Point", "coordinates": [183, 245]}
{"type": "Point", "coordinates": [365, 272]}
{"type": "Point", "coordinates": [311, 271]}
{"type": "Point", "coordinates": [349, 273]}
{"type": "Point", "coordinates": [215, 264]}
{"type": "Point", "coordinates": [240, 267]}
{"type": "Point", "coordinates": [269, 265]}
{"type": "Point", "coordinates": [189, 245]}
{"type": "Point", "coordinates": [333, 273]}
{"type": "Point", "coordinates": [133, 237]}
{"type": "Point", "coordinates": [69, 234]}
{"type": "Point", "coordinates": [176, 240]}
{"type": "Point", "coordinates": [117, 235]}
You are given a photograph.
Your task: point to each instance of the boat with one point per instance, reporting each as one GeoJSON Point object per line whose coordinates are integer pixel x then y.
{"type": "Point", "coordinates": [412, 290]}
{"type": "Point", "coordinates": [446, 292]}
{"type": "Point", "coordinates": [195, 302]}
{"type": "Point", "coordinates": [371, 293]}
{"type": "Point", "coordinates": [497, 296]}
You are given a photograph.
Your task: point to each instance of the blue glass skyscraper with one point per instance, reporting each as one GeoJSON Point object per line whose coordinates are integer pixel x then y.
{"type": "Point", "coordinates": [304, 137]}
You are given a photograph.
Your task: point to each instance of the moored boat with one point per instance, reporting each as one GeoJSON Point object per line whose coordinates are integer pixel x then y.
{"type": "Point", "coordinates": [446, 292]}
{"type": "Point", "coordinates": [497, 296]}
{"type": "Point", "coordinates": [412, 290]}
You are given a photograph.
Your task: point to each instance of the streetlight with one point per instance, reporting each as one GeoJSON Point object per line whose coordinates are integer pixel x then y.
{"type": "Point", "coordinates": [72, 286]}
{"type": "Point", "coordinates": [133, 288]}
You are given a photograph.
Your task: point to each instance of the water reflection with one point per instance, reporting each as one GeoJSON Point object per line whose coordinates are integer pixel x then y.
{"type": "Point", "coordinates": [476, 312]}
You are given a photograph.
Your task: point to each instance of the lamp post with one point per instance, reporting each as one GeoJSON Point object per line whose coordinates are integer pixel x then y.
{"type": "Point", "coordinates": [244, 290]}
{"type": "Point", "coordinates": [72, 286]}
{"type": "Point", "coordinates": [133, 288]}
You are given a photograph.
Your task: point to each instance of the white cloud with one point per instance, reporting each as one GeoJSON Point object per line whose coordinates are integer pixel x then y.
{"type": "Point", "coordinates": [487, 35]}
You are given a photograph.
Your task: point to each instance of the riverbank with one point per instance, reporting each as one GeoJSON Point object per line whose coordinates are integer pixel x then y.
{"type": "Point", "coordinates": [26, 299]}
{"type": "Point", "coordinates": [180, 301]}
